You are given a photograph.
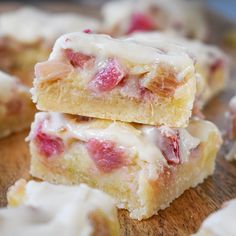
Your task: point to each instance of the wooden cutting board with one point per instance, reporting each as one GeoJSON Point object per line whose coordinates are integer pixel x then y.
{"type": "Point", "coordinates": [185, 214]}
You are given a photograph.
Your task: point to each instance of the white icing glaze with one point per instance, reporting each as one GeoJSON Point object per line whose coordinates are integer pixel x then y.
{"type": "Point", "coordinates": [140, 139]}
{"type": "Point", "coordinates": [188, 142]}
{"type": "Point", "coordinates": [202, 130]}
{"type": "Point", "coordinates": [55, 210]}
{"type": "Point", "coordinates": [30, 24]}
{"type": "Point", "coordinates": [220, 223]}
{"type": "Point", "coordinates": [135, 53]}
{"type": "Point", "coordinates": [205, 54]}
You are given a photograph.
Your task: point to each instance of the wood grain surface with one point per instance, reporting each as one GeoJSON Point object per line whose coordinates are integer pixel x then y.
{"type": "Point", "coordinates": [185, 214]}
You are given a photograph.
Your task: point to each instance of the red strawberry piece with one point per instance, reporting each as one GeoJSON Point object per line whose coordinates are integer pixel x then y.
{"type": "Point", "coordinates": [14, 106]}
{"type": "Point", "coordinates": [169, 146]}
{"type": "Point", "coordinates": [218, 63]}
{"type": "Point", "coordinates": [140, 22]}
{"type": "Point", "coordinates": [52, 69]}
{"type": "Point", "coordinates": [106, 156]}
{"type": "Point", "coordinates": [48, 145]}
{"type": "Point", "coordinates": [107, 77]}
{"type": "Point", "coordinates": [77, 59]}
{"type": "Point", "coordinates": [87, 31]}
{"type": "Point", "coordinates": [145, 93]}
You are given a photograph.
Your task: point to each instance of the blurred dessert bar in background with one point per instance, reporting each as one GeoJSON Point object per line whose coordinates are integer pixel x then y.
{"type": "Point", "coordinates": [16, 108]}
{"type": "Point", "coordinates": [28, 34]}
{"type": "Point", "coordinates": [181, 16]}
{"type": "Point", "coordinates": [40, 208]}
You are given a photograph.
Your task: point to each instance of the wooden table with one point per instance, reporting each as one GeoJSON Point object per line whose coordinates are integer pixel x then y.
{"type": "Point", "coordinates": [185, 214]}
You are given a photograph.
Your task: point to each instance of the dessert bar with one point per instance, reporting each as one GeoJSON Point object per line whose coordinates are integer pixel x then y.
{"type": "Point", "coordinates": [98, 76]}
{"type": "Point", "coordinates": [143, 167]}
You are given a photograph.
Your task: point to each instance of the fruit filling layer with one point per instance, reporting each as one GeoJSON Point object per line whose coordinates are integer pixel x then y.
{"type": "Point", "coordinates": [101, 64]}
{"type": "Point", "coordinates": [112, 145]}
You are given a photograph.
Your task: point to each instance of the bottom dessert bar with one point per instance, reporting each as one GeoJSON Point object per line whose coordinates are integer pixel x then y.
{"type": "Point", "coordinates": [41, 208]}
{"type": "Point", "coordinates": [16, 108]}
{"type": "Point", "coordinates": [143, 167]}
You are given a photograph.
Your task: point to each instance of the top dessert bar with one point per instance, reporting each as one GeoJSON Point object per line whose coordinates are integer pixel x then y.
{"type": "Point", "coordinates": [98, 76]}
{"type": "Point", "coordinates": [211, 63]}
{"type": "Point", "coordinates": [181, 16]}
{"type": "Point", "coordinates": [28, 34]}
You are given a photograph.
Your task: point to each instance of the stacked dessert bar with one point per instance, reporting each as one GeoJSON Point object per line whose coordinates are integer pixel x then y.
{"type": "Point", "coordinates": [116, 116]}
